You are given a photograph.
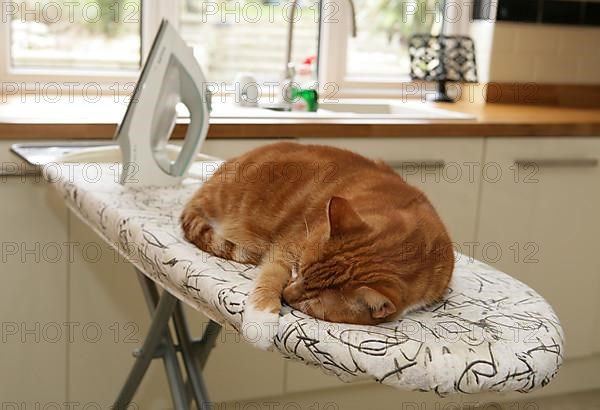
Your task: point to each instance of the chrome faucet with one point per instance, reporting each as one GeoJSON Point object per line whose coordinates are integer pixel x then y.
{"type": "Point", "coordinates": [290, 69]}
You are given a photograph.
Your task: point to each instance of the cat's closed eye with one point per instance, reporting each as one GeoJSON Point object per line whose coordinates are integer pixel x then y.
{"type": "Point", "coordinates": [363, 305]}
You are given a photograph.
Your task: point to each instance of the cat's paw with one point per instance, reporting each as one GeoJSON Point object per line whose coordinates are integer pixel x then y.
{"type": "Point", "coordinates": [259, 327]}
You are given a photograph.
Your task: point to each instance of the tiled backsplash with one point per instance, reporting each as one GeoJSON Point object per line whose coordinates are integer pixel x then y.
{"type": "Point", "coordinates": [517, 52]}
{"type": "Point", "coordinates": [571, 12]}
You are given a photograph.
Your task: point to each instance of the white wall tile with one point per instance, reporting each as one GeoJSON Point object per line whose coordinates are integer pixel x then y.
{"type": "Point", "coordinates": [554, 69]}
{"type": "Point", "coordinates": [579, 41]}
{"type": "Point", "coordinates": [511, 67]}
{"type": "Point", "coordinates": [588, 70]}
{"type": "Point", "coordinates": [537, 39]}
{"type": "Point", "coordinates": [504, 37]}
{"type": "Point", "coordinates": [546, 54]}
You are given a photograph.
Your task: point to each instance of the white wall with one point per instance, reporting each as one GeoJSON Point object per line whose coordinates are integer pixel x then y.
{"type": "Point", "coordinates": [518, 52]}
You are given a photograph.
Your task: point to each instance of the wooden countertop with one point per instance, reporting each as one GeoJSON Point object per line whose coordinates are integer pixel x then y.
{"type": "Point", "coordinates": [45, 120]}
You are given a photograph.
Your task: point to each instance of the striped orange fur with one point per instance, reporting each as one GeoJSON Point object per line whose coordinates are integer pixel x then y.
{"type": "Point", "coordinates": [337, 236]}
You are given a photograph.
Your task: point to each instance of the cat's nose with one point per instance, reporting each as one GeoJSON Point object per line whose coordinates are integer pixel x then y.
{"type": "Point", "coordinates": [293, 292]}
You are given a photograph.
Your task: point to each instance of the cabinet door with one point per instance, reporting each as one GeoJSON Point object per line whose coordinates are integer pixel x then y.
{"type": "Point", "coordinates": [33, 293]}
{"type": "Point", "coordinates": [226, 148]}
{"type": "Point", "coordinates": [539, 222]}
{"type": "Point", "coordinates": [33, 289]}
{"type": "Point", "coordinates": [446, 169]}
{"type": "Point", "coordinates": [110, 317]}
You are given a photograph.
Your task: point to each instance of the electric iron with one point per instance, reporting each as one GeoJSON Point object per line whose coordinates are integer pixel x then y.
{"type": "Point", "coordinates": [170, 76]}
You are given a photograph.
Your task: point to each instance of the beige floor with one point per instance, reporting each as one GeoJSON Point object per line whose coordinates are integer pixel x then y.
{"type": "Point", "coordinates": [578, 401]}
{"type": "Point", "coordinates": [360, 399]}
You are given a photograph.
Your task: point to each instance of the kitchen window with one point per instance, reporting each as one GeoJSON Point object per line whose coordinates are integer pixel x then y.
{"type": "Point", "coordinates": [230, 37]}
{"type": "Point", "coordinates": [104, 40]}
{"type": "Point", "coordinates": [66, 44]}
{"type": "Point", "coordinates": [376, 61]}
{"type": "Point", "coordinates": [92, 35]}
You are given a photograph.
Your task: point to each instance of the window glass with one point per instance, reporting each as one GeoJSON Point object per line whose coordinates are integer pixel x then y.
{"type": "Point", "coordinates": [234, 36]}
{"type": "Point", "coordinates": [383, 28]}
{"type": "Point", "coordinates": [82, 34]}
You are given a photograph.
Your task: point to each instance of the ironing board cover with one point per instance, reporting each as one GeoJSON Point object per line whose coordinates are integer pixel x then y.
{"type": "Point", "coordinates": [491, 332]}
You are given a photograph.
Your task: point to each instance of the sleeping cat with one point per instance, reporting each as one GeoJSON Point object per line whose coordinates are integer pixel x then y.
{"type": "Point", "coordinates": [337, 236]}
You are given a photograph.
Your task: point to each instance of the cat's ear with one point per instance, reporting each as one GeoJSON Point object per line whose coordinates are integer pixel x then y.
{"type": "Point", "coordinates": [343, 219]}
{"type": "Point", "coordinates": [379, 305]}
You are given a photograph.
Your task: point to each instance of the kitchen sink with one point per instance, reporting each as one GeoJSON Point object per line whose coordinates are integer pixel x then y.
{"type": "Point", "coordinates": [348, 109]}
{"type": "Point", "coordinates": [398, 110]}
{"type": "Point", "coordinates": [343, 109]}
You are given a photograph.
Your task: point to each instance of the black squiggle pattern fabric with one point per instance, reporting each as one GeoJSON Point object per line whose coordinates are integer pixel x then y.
{"type": "Point", "coordinates": [491, 332]}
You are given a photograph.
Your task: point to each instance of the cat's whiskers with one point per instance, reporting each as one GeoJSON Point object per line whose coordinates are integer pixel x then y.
{"type": "Point", "coordinates": [305, 307]}
{"type": "Point", "coordinates": [351, 306]}
{"type": "Point", "coordinates": [306, 225]}
{"type": "Point", "coordinates": [322, 308]}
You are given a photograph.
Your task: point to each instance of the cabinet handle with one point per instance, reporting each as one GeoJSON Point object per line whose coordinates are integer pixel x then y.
{"type": "Point", "coordinates": [436, 163]}
{"type": "Point", "coordinates": [558, 162]}
{"type": "Point", "coordinates": [20, 174]}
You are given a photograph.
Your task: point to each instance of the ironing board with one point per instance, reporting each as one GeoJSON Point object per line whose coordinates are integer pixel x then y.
{"type": "Point", "coordinates": [490, 333]}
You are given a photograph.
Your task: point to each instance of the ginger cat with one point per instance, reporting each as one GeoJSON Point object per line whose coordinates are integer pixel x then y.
{"type": "Point", "coordinates": [338, 236]}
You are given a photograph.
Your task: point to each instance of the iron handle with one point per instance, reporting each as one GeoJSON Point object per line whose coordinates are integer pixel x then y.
{"type": "Point", "coordinates": [431, 163]}
{"type": "Point", "coordinates": [558, 162]}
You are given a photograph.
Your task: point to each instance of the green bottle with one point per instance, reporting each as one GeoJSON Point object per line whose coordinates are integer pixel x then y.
{"type": "Point", "coordinates": [310, 97]}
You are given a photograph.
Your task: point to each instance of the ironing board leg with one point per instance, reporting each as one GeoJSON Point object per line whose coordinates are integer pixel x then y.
{"type": "Point", "coordinates": [159, 343]}
{"type": "Point", "coordinates": [209, 338]}
{"type": "Point", "coordinates": [191, 365]}
{"type": "Point", "coordinates": [169, 354]}
{"type": "Point", "coordinates": [176, 384]}
{"type": "Point", "coordinates": [160, 320]}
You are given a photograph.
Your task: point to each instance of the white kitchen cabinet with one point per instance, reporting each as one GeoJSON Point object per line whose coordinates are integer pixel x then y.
{"type": "Point", "coordinates": [543, 222]}
{"type": "Point", "coordinates": [227, 148]}
{"type": "Point", "coordinates": [107, 304]}
{"type": "Point", "coordinates": [539, 222]}
{"type": "Point", "coordinates": [33, 290]}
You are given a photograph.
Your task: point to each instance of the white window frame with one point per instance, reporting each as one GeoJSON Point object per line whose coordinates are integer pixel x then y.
{"type": "Point", "coordinates": [332, 64]}
{"type": "Point", "coordinates": [152, 11]}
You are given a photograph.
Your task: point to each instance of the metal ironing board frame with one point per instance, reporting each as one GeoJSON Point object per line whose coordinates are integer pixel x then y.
{"type": "Point", "coordinates": [159, 343]}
